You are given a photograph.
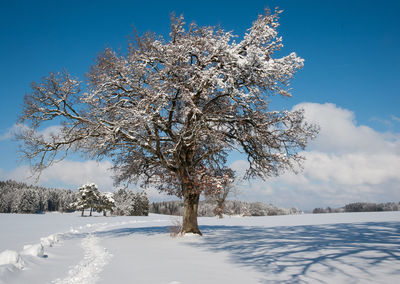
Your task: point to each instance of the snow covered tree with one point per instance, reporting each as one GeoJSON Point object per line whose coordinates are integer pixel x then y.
{"type": "Point", "coordinates": [88, 197]}
{"type": "Point", "coordinates": [107, 202]}
{"type": "Point", "coordinates": [169, 111]}
{"type": "Point", "coordinates": [124, 202]}
{"type": "Point", "coordinates": [19, 197]}
{"type": "Point", "coordinates": [219, 195]}
{"type": "Point", "coordinates": [141, 204]}
{"type": "Point", "coordinates": [29, 201]}
{"type": "Point", "coordinates": [130, 204]}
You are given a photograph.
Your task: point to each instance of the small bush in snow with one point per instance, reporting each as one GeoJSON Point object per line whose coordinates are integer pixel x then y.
{"type": "Point", "coordinates": [175, 228]}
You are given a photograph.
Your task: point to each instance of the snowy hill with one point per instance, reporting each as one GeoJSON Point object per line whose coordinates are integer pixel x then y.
{"type": "Point", "coordinates": [330, 248]}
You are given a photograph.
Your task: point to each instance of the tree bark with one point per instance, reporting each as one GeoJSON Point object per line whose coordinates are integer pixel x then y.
{"type": "Point", "coordinates": [220, 209]}
{"type": "Point", "coordinates": [191, 204]}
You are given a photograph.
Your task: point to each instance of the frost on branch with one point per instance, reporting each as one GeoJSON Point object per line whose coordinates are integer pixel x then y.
{"type": "Point", "coordinates": [169, 111]}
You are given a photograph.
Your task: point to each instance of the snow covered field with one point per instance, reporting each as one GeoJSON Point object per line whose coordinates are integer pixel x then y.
{"type": "Point", "coordinates": [326, 248]}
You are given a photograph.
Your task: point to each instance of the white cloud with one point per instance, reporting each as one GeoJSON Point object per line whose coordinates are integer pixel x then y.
{"type": "Point", "coordinates": [352, 168]}
{"type": "Point", "coordinates": [19, 127]}
{"type": "Point", "coordinates": [395, 118]}
{"type": "Point", "coordinates": [49, 131]}
{"type": "Point", "coordinates": [72, 174]}
{"type": "Point", "coordinates": [5, 136]}
{"type": "Point", "coordinates": [10, 133]}
{"type": "Point", "coordinates": [68, 173]}
{"type": "Point", "coordinates": [340, 132]}
{"type": "Point", "coordinates": [346, 163]}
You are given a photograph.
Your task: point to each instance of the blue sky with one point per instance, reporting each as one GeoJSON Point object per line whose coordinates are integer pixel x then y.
{"type": "Point", "coordinates": [352, 71]}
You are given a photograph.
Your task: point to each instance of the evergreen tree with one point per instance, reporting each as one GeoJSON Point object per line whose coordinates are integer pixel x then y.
{"type": "Point", "coordinates": [88, 197]}
{"type": "Point", "coordinates": [29, 202]}
{"type": "Point", "coordinates": [107, 202]}
{"type": "Point", "coordinates": [17, 197]}
{"type": "Point", "coordinates": [124, 202]}
{"type": "Point", "coordinates": [130, 204]}
{"type": "Point", "coordinates": [141, 204]}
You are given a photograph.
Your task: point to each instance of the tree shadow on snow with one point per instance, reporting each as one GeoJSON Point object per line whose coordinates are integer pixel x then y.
{"type": "Point", "coordinates": [122, 232]}
{"type": "Point", "coordinates": [119, 232]}
{"type": "Point", "coordinates": [301, 253]}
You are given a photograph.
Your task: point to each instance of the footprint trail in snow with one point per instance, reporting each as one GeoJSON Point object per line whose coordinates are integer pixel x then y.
{"type": "Point", "coordinates": [88, 269]}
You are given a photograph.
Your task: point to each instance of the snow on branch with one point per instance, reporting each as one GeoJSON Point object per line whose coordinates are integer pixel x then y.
{"type": "Point", "coordinates": [169, 111]}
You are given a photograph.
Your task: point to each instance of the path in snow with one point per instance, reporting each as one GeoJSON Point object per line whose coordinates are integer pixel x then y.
{"type": "Point", "coordinates": [68, 256]}
{"type": "Point", "coordinates": [88, 269]}
{"type": "Point", "coordinates": [95, 257]}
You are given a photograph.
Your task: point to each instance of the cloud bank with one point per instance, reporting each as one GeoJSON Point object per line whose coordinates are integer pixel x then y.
{"type": "Point", "coordinates": [345, 163]}
{"type": "Point", "coordinates": [67, 173]}
{"type": "Point", "coordinates": [72, 174]}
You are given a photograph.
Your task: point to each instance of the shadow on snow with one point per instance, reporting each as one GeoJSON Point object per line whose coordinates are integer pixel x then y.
{"type": "Point", "coordinates": [301, 253]}
{"type": "Point", "coordinates": [298, 254]}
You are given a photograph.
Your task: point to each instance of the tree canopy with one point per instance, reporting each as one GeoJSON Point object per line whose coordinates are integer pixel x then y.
{"type": "Point", "coordinates": [169, 111]}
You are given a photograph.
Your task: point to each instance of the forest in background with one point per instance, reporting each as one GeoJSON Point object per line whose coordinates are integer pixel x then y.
{"type": "Point", "coordinates": [18, 197]}
{"type": "Point", "coordinates": [361, 207]}
{"type": "Point", "coordinates": [207, 208]}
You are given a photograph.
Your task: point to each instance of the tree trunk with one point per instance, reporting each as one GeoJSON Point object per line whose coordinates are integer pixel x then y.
{"type": "Point", "coordinates": [219, 210]}
{"type": "Point", "coordinates": [83, 212]}
{"type": "Point", "coordinates": [189, 223]}
{"type": "Point", "coordinates": [91, 209]}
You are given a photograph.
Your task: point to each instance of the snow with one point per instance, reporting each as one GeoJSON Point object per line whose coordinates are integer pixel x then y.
{"type": "Point", "coordinates": [87, 270]}
{"type": "Point", "coordinates": [33, 250]}
{"type": "Point", "coordinates": [10, 257]}
{"type": "Point", "coordinates": [52, 239]}
{"type": "Point", "coordinates": [320, 248]}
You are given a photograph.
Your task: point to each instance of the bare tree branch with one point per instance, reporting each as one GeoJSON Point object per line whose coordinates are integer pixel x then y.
{"type": "Point", "coordinates": [170, 111]}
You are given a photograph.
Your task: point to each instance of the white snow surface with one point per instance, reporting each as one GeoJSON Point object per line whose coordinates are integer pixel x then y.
{"type": "Point", "coordinates": [324, 248]}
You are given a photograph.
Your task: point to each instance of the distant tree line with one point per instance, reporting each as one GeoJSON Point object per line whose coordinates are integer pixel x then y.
{"type": "Point", "coordinates": [231, 207]}
{"type": "Point", "coordinates": [361, 207]}
{"type": "Point", "coordinates": [17, 197]}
